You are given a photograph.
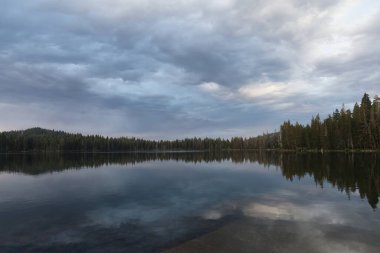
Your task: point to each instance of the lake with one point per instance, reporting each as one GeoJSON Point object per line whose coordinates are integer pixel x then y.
{"type": "Point", "coordinates": [190, 202]}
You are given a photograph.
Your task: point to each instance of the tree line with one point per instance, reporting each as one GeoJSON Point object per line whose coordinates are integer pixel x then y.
{"type": "Point", "coordinates": [38, 139]}
{"type": "Point", "coordinates": [343, 129]}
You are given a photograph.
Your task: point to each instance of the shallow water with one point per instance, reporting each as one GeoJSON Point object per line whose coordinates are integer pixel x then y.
{"type": "Point", "coordinates": [148, 202]}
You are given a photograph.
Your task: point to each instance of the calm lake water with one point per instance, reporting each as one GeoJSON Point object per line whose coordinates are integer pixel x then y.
{"type": "Point", "coordinates": [186, 202]}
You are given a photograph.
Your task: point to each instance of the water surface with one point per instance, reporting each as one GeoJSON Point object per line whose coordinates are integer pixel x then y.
{"type": "Point", "coordinates": [183, 202]}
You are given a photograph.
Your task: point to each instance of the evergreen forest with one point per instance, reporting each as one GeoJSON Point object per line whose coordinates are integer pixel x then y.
{"type": "Point", "coordinates": [358, 129]}
{"type": "Point", "coordinates": [344, 129]}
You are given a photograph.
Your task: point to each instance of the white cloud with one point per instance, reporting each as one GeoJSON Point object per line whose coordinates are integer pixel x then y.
{"type": "Point", "coordinates": [216, 90]}
{"type": "Point", "coordinates": [210, 87]}
{"type": "Point", "coordinates": [265, 90]}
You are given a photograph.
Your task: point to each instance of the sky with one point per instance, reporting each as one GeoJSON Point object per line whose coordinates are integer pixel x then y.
{"type": "Point", "coordinates": [174, 69]}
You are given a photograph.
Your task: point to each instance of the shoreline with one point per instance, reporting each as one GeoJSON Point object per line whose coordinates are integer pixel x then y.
{"type": "Point", "coordinates": [299, 151]}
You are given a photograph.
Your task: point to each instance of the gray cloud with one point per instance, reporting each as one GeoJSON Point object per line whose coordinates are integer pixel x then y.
{"type": "Point", "coordinates": [137, 67]}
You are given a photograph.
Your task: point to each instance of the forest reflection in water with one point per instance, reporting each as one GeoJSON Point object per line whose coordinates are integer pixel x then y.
{"type": "Point", "coordinates": [348, 172]}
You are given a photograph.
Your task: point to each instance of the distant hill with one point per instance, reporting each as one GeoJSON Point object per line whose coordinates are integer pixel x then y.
{"type": "Point", "coordinates": [36, 131]}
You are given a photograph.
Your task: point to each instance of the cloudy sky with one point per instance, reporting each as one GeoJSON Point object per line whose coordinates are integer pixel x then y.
{"type": "Point", "coordinates": [171, 69]}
